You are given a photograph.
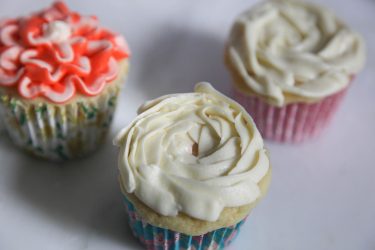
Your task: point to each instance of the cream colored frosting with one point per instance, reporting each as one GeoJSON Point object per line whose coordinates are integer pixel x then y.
{"type": "Point", "coordinates": [195, 153]}
{"type": "Point", "coordinates": [58, 31]}
{"type": "Point", "coordinates": [284, 47]}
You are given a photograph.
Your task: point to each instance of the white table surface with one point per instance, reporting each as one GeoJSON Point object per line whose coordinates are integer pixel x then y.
{"type": "Point", "coordinates": [322, 193]}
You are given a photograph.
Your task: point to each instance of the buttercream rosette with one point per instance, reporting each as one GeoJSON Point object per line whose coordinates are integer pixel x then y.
{"type": "Point", "coordinates": [192, 163]}
{"type": "Point", "coordinates": [288, 58]}
{"type": "Point", "coordinates": [60, 73]}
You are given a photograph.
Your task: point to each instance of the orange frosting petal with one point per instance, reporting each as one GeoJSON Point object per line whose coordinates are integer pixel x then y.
{"type": "Point", "coordinates": [56, 53]}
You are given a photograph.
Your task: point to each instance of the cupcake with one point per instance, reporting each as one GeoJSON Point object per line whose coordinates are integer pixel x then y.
{"type": "Point", "coordinates": [60, 76]}
{"type": "Point", "coordinates": [192, 166]}
{"type": "Point", "coordinates": [292, 63]}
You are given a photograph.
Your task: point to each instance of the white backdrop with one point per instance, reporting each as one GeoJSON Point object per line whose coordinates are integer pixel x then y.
{"type": "Point", "coordinates": [321, 195]}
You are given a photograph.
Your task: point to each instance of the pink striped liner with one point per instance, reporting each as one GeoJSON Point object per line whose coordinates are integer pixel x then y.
{"type": "Point", "coordinates": [294, 122]}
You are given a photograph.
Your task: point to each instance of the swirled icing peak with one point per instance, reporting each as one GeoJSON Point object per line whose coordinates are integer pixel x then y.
{"type": "Point", "coordinates": [56, 53]}
{"type": "Point", "coordinates": [195, 153]}
{"type": "Point", "coordinates": [283, 48]}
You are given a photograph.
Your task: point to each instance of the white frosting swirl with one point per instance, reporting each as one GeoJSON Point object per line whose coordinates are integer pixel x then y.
{"type": "Point", "coordinates": [58, 31]}
{"type": "Point", "coordinates": [195, 153]}
{"type": "Point", "coordinates": [283, 47]}
{"type": "Point", "coordinates": [55, 32]}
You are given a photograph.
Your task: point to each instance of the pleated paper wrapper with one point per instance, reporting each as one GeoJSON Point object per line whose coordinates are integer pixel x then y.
{"type": "Point", "coordinates": [293, 123]}
{"type": "Point", "coordinates": [156, 238]}
{"type": "Point", "coordinates": [59, 132]}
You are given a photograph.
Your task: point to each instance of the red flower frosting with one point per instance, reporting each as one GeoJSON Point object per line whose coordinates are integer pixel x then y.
{"type": "Point", "coordinates": [56, 53]}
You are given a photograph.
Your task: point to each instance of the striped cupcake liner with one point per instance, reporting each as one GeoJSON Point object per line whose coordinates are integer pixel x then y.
{"type": "Point", "coordinates": [156, 238]}
{"type": "Point", "coordinates": [1, 125]}
{"type": "Point", "coordinates": [292, 123]}
{"type": "Point", "coordinates": [58, 132]}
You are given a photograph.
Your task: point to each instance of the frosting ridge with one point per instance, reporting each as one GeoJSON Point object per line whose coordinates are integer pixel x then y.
{"type": "Point", "coordinates": [56, 53]}
{"type": "Point", "coordinates": [194, 153]}
{"type": "Point", "coordinates": [289, 47]}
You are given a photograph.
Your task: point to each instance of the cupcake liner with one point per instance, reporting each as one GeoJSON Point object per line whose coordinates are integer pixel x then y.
{"type": "Point", "coordinates": [1, 125]}
{"type": "Point", "coordinates": [156, 238]}
{"type": "Point", "coordinates": [294, 122]}
{"type": "Point", "coordinates": [59, 132]}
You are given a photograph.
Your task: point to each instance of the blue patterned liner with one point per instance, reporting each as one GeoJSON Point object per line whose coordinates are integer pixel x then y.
{"type": "Point", "coordinates": [156, 238]}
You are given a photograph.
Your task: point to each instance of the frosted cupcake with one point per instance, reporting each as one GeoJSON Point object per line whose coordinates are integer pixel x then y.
{"type": "Point", "coordinates": [292, 63]}
{"type": "Point", "coordinates": [60, 76]}
{"type": "Point", "coordinates": [192, 167]}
